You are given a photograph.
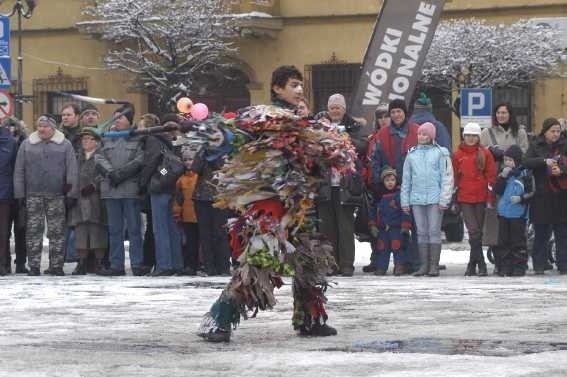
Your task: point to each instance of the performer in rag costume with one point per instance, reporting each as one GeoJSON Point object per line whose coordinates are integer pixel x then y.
{"type": "Point", "coordinates": [270, 178]}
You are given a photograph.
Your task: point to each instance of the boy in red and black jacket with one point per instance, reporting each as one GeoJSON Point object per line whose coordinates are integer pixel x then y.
{"type": "Point", "coordinates": [390, 225]}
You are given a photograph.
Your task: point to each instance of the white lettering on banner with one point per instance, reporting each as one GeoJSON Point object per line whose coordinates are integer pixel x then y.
{"type": "Point", "coordinates": [379, 75]}
{"type": "Point", "coordinates": [406, 65]}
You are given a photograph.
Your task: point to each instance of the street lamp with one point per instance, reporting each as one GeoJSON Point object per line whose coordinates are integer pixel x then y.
{"type": "Point", "coordinates": [22, 11]}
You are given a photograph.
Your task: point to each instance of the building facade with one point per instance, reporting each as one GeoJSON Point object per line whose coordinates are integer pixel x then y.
{"type": "Point", "coordinates": [325, 38]}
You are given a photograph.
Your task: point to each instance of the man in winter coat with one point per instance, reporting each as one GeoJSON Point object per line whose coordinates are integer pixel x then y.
{"type": "Point", "coordinates": [422, 113]}
{"type": "Point", "coordinates": [166, 236]}
{"type": "Point", "coordinates": [45, 181]}
{"type": "Point", "coordinates": [119, 161]}
{"type": "Point", "coordinates": [8, 149]}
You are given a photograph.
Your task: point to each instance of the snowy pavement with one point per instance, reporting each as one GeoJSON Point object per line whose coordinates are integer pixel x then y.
{"type": "Point", "coordinates": [388, 326]}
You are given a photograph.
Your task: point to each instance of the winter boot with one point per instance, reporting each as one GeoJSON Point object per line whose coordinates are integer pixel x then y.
{"type": "Point", "coordinates": [216, 336]}
{"type": "Point", "coordinates": [471, 269]}
{"type": "Point", "coordinates": [369, 268]}
{"type": "Point", "coordinates": [21, 269]}
{"type": "Point", "coordinates": [424, 253]}
{"type": "Point", "coordinates": [400, 269]}
{"type": "Point", "coordinates": [482, 271]}
{"type": "Point", "coordinates": [2, 270]}
{"type": "Point", "coordinates": [434, 255]}
{"type": "Point", "coordinates": [81, 268]}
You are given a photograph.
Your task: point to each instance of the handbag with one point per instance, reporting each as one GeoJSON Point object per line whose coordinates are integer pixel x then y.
{"type": "Point", "coordinates": [490, 227]}
{"type": "Point", "coordinates": [168, 172]}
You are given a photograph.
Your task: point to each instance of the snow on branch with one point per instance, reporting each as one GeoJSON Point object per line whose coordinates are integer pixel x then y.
{"type": "Point", "coordinates": [475, 53]}
{"type": "Point", "coordinates": [170, 46]}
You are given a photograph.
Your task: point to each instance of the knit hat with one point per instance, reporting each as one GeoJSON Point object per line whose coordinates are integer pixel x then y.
{"type": "Point", "coordinates": [89, 131]}
{"type": "Point", "coordinates": [428, 129]}
{"type": "Point", "coordinates": [472, 128]}
{"type": "Point", "coordinates": [386, 172]}
{"type": "Point", "coordinates": [548, 123]}
{"type": "Point", "coordinates": [88, 107]}
{"type": "Point", "coordinates": [423, 101]}
{"type": "Point", "coordinates": [47, 119]}
{"type": "Point", "coordinates": [337, 99]}
{"type": "Point", "coordinates": [127, 111]}
{"type": "Point", "coordinates": [515, 153]}
{"type": "Point", "coordinates": [398, 104]}
{"type": "Point", "coordinates": [381, 108]}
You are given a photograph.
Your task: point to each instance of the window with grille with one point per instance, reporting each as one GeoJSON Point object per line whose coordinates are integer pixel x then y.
{"type": "Point", "coordinates": [323, 80]}
{"type": "Point", "coordinates": [519, 96]}
{"type": "Point", "coordinates": [47, 97]}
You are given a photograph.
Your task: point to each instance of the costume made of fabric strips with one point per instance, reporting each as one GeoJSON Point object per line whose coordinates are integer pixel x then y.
{"type": "Point", "coordinates": [271, 181]}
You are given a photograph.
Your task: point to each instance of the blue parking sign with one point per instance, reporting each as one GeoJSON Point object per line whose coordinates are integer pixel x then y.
{"type": "Point", "coordinates": [476, 106]}
{"type": "Point", "coordinates": [4, 36]}
{"type": "Point", "coordinates": [5, 72]}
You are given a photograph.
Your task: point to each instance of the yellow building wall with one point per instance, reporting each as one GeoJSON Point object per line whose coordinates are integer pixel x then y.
{"type": "Point", "coordinates": [312, 31]}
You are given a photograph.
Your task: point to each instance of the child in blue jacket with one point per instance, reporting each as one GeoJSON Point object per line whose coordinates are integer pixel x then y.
{"type": "Point", "coordinates": [390, 226]}
{"type": "Point", "coordinates": [515, 186]}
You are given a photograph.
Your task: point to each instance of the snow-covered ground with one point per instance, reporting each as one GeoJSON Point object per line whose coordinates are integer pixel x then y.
{"type": "Point", "coordinates": [388, 326]}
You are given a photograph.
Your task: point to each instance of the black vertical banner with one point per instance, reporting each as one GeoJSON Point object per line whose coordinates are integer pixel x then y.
{"type": "Point", "coordinates": [393, 60]}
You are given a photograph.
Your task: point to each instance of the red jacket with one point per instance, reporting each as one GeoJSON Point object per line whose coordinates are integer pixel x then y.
{"type": "Point", "coordinates": [473, 184]}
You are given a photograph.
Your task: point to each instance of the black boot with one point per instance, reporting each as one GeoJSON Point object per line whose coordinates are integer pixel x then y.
{"type": "Point", "coordinates": [369, 268]}
{"type": "Point", "coordinates": [81, 268]}
{"type": "Point", "coordinates": [21, 269]}
{"type": "Point", "coordinates": [482, 268]}
{"type": "Point", "coordinates": [471, 269]}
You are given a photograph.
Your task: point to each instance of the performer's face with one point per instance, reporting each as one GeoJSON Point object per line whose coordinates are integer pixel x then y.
{"type": "Point", "coordinates": [292, 92]}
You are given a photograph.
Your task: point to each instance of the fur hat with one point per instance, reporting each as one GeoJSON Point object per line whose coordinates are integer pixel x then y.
{"type": "Point", "coordinates": [548, 123]}
{"type": "Point", "coordinates": [398, 104]}
{"type": "Point", "coordinates": [515, 153]}
{"type": "Point", "coordinates": [386, 172]}
{"type": "Point", "coordinates": [427, 128]}
{"type": "Point", "coordinates": [336, 99]}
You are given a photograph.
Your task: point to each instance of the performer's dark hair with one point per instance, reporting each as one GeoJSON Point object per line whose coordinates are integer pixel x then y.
{"type": "Point", "coordinates": [72, 105]}
{"type": "Point", "coordinates": [281, 75]}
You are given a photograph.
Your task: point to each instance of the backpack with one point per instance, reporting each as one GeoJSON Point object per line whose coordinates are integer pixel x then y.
{"type": "Point", "coordinates": [168, 171]}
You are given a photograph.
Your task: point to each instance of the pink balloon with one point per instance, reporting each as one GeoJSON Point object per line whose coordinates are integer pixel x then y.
{"type": "Point", "coordinates": [199, 111]}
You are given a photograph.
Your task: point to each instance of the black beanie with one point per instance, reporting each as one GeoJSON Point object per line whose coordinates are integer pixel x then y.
{"type": "Point", "coordinates": [515, 153]}
{"type": "Point", "coordinates": [398, 104]}
{"type": "Point", "coordinates": [548, 123]}
{"type": "Point", "coordinates": [128, 114]}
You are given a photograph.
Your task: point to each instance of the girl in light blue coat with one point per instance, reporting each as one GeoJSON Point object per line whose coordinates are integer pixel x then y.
{"type": "Point", "coordinates": [427, 186]}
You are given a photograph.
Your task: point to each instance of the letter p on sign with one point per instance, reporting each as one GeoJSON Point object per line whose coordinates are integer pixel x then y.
{"type": "Point", "coordinates": [476, 106]}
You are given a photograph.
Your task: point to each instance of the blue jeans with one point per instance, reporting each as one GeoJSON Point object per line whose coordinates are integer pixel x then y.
{"type": "Point", "coordinates": [70, 251]}
{"type": "Point", "coordinates": [166, 236]}
{"type": "Point", "coordinates": [119, 211]}
{"type": "Point", "coordinates": [428, 220]}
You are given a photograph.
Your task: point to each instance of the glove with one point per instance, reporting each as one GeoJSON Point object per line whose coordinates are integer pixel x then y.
{"type": "Point", "coordinates": [505, 172]}
{"type": "Point", "coordinates": [88, 190]}
{"type": "Point", "coordinates": [497, 152]}
{"type": "Point", "coordinates": [70, 203]}
{"type": "Point", "coordinates": [115, 178]}
{"type": "Point", "coordinates": [405, 232]}
{"type": "Point", "coordinates": [515, 199]}
{"type": "Point", "coordinates": [67, 188]}
{"type": "Point", "coordinates": [374, 231]}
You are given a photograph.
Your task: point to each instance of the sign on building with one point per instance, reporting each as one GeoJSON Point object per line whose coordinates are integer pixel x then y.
{"type": "Point", "coordinates": [476, 106]}
{"type": "Point", "coordinates": [5, 63]}
{"type": "Point", "coordinates": [393, 60]}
